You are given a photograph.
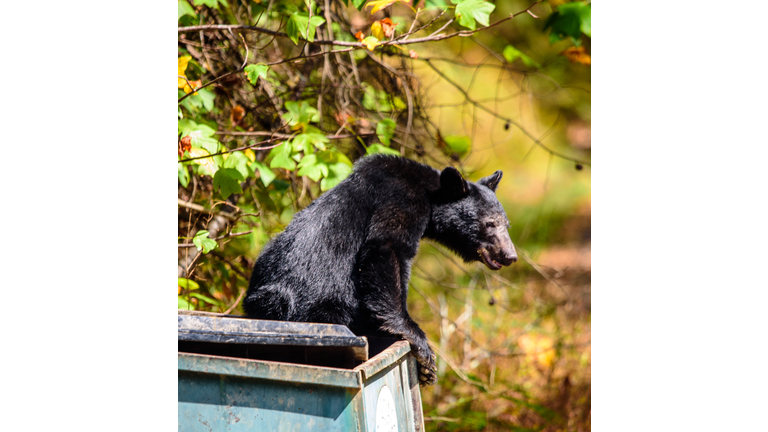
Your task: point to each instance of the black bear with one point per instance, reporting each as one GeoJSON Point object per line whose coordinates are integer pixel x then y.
{"type": "Point", "coordinates": [346, 258]}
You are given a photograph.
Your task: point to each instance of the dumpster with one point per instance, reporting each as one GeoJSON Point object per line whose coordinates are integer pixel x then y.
{"type": "Point", "coordinates": [240, 374]}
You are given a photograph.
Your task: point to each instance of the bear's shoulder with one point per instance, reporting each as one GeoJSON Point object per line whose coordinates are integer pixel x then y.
{"type": "Point", "coordinates": [387, 171]}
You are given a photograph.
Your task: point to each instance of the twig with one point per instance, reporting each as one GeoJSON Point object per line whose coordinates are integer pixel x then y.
{"type": "Point", "coordinates": [493, 113]}
{"type": "Point", "coordinates": [407, 89]}
{"type": "Point", "coordinates": [252, 146]}
{"type": "Point", "coordinates": [228, 235]}
{"type": "Point", "coordinates": [445, 419]}
{"type": "Point", "coordinates": [278, 135]}
{"type": "Point", "coordinates": [246, 51]}
{"type": "Point", "coordinates": [239, 298]}
{"type": "Point", "coordinates": [188, 83]}
{"type": "Point", "coordinates": [356, 45]}
{"type": "Point", "coordinates": [544, 274]}
{"type": "Point", "coordinates": [201, 209]}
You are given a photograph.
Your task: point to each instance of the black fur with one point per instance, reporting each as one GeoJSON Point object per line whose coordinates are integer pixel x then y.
{"type": "Point", "coordinates": [346, 258]}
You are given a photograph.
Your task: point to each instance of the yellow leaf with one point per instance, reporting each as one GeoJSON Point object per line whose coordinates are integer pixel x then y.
{"type": "Point", "coordinates": [250, 155]}
{"type": "Point", "coordinates": [197, 152]}
{"type": "Point", "coordinates": [371, 42]}
{"type": "Point", "coordinates": [377, 31]}
{"type": "Point", "coordinates": [381, 4]}
{"type": "Point", "coordinates": [538, 346]}
{"type": "Point", "coordinates": [183, 61]}
{"type": "Point", "coordinates": [195, 84]}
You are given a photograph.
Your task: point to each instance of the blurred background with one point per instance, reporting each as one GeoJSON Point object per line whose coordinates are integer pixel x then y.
{"type": "Point", "coordinates": [261, 137]}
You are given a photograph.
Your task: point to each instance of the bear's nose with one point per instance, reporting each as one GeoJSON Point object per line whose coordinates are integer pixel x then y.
{"type": "Point", "coordinates": [509, 256]}
{"type": "Point", "coordinates": [509, 259]}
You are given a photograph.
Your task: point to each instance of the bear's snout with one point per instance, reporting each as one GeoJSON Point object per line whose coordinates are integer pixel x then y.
{"type": "Point", "coordinates": [508, 256]}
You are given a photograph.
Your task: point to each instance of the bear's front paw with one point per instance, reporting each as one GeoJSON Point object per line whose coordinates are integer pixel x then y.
{"type": "Point", "coordinates": [427, 367]}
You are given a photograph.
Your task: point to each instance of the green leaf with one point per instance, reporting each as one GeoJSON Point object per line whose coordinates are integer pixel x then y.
{"type": "Point", "coordinates": [239, 161]}
{"type": "Point", "coordinates": [338, 172]}
{"type": "Point", "coordinates": [458, 144]}
{"type": "Point", "coordinates": [202, 101]}
{"type": "Point", "coordinates": [203, 242]}
{"type": "Point", "coordinates": [359, 4]}
{"type": "Point", "coordinates": [211, 145]}
{"type": "Point", "coordinates": [207, 97]}
{"type": "Point", "coordinates": [469, 11]}
{"type": "Point", "coordinates": [570, 20]}
{"type": "Point", "coordinates": [206, 299]}
{"type": "Point", "coordinates": [265, 173]}
{"type": "Point", "coordinates": [183, 175]}
{"type": "Point", "coordinates": [185, 305]}
{"type": "Point", "coordinates": [435, 3]}
{"type": "Point", "coordinates": [378, 148]}
{"type": "Point", "coordinates": [586, 20]}
{"type": "Point", "coordinates": [281, 157]}
{"type": "Point", "coordinates": [186, 9]}
{"type": "Point", "coordinates": [312, 167]}
{"type": "Point", "coordinates": [227, 181]}
{"type": "Point", "coordinates": [300, 25]}
{"type": "Point", "coordinates": [339, 167]}
{"type": "Point", "coordinates": [379, 100]}
{"type": "Point", "coordinates": [188, 284]}
{"type": "Point", "coordinates": [385, 129]}
{"type": "Point", "coordinates": [211, 3]}
{"type": "Point", "coordinates": [511, 53]}
{"type": "Point", "coordinates": [300, 114]}
{"type": "Point", "coordinates": [311, 137]}
{"type": "Point", "coordinates": [200, 134]}
{"type": "Point", "coordinates": [254, 71]}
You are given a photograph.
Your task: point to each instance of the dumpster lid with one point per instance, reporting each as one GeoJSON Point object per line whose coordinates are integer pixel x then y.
{"type": "Point", "coordinates": [219, 328]}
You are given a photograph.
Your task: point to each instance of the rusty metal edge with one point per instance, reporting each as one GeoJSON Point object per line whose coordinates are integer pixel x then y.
{"type": "Point", "coordinates": [384, 359]}
{"type": "Point", "coordinates": [278, 371]}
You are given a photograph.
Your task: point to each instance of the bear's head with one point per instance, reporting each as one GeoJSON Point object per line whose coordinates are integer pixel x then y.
{"type": "Point", "coordinates": [468, 218]}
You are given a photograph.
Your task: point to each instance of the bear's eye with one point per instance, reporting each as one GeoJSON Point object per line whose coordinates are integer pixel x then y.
{"type": "Point", "coordinates": [490, 225]}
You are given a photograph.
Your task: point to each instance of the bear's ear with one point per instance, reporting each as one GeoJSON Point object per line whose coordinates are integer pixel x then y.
{"type": "Point", "coordinates": [492, 181]}
{"type": "Point", "coordinates": [452, 183]}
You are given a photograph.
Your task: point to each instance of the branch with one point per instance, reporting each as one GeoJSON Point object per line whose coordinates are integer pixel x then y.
{"type": "Point", "coordinates": [228, 235]}
{"type": "Point", "coordinates": [408, 95]}
{"type": "Point", "coordinates": [242, 68]}
{"type": "Point", "coordinates": [355, 45]}
{"type": "Point", "coordinates": [257, 146]}
{"type": "Point", "coordinates": [279, 135]}
{"type": "Point", "coordinates": [201, 209]}
{"type": "Point", "coordinates": [493, 113]}
{"type": "Point", "coordinates": [252, 146]}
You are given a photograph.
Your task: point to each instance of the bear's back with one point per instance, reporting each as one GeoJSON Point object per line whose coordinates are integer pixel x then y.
{"type": "Point", "coordinates": [316, 254]}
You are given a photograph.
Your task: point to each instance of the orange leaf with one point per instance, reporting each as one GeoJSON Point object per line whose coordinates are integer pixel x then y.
{"type": "Point", "coordinates": [236, 114]}
{"type": "Point", "coordinates": [185, 144]}
{"type": "Point", "coordinates": [359, 36]}
{"type": "Point", "coordinates": [196, 84]}
{"type": "Point", "coordinates": [578, 54]}
{"type": "Point", "coordinates": [388, 26]}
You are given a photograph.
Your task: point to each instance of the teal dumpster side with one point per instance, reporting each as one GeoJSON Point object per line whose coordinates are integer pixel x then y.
{"type": "Point", "coordinates": [231, 394]}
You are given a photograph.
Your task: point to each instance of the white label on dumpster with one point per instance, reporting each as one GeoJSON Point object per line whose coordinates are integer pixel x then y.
{"type": "Point", "coordinates": [386, 417]}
